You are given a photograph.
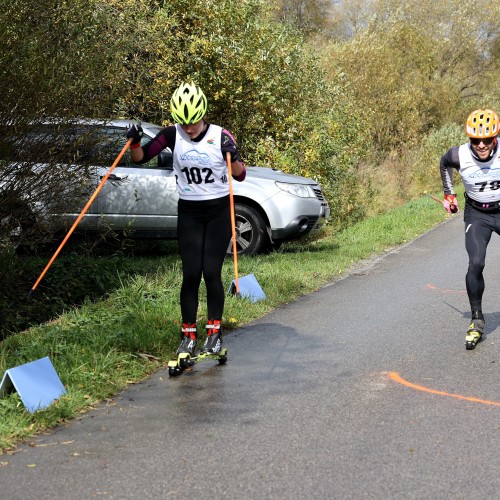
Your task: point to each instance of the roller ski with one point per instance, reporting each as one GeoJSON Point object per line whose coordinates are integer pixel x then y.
{"type": "Point", "coordinates": [212, 348]}
{"type": "Point", "coordinates": [475, 331]}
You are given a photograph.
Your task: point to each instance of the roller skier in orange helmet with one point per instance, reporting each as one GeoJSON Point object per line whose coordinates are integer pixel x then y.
{"type": "Point", "coordinates": [478, 163]}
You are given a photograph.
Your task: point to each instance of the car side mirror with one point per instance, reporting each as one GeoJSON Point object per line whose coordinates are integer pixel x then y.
{"type": "Point", "coordinates": [166, 160]}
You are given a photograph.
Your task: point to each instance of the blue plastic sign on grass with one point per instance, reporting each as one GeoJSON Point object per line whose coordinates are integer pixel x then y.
{"type": "Point", "coordinates": [37, 384]}
{"type": "Point", "coordinates": [249, 288]}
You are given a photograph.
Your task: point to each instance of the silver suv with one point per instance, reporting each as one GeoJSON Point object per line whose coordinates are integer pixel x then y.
{"type": "Point", "coordinates": [271, 207]}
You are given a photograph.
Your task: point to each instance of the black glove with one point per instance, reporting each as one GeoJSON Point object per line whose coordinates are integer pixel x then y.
{"type": "Point", "coordinates": [135, 133]}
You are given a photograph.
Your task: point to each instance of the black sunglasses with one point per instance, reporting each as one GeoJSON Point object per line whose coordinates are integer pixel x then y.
{"type": "Point", "coordinates": [486, 141]}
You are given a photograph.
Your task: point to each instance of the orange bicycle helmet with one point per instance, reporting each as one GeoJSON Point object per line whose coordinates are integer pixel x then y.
{"type": "Point", "coordinates": [482, 123]}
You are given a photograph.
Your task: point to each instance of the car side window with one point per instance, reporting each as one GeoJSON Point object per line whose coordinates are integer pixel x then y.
{"type": "Point", "coordinates": [110, 143]}
{"type": "Point", "coordinates": [77, 144]}
{"type": "Point", "coordinates": [45, 144]}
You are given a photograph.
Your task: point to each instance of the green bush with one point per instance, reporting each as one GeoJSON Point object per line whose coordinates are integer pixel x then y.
{"type": "Point", "coordinates": [424, 160]}
{"type": "Point", "coordinates": [262, 82]}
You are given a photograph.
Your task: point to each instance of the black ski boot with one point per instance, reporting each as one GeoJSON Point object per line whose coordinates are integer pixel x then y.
{"type": "Point", "coordinates": [213, 343]}
{"type": "Point", "coordinates": [475, 331]}
{"type": "Point", "coordinates": [188, 342]}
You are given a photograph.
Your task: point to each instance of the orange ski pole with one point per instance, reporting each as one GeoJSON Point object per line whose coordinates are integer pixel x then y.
{"type": "Point", "coordinates": [453, 211]}
{"type": "Point", "coordinates": [82, 213]}
{"type": "Point", "coordinates": [435, 199]}
{"type": "Point", "coordinates": [233, 223]}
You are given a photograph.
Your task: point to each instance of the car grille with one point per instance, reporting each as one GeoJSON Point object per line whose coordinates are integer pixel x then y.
{"type": "Point", "coordinates": [320, 196]}
{"type": "Point", "coordinates": [311, 223]}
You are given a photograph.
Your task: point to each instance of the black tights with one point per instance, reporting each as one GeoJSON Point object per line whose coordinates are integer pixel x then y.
{"type": "Point", "coordinates": [478, 229]}
{"type": "Point", "coordinates": [204, 233]}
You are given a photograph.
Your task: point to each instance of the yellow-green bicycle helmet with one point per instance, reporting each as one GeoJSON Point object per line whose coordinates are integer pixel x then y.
{"type": "Point", "coordinates": [188, 104]}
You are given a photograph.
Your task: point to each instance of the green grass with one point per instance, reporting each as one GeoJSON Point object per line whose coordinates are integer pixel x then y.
{"type": "Point", "coordinates": [100, 347]}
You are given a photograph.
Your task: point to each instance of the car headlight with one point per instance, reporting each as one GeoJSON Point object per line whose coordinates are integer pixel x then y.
{"type": "Point", "coordinates": [302, 190]}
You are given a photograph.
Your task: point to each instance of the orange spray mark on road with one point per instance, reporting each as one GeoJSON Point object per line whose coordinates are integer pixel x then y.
{"type": "Point", "coordinates": [397, 378]}
{"type": "Point", "coordinates": [429, 286]}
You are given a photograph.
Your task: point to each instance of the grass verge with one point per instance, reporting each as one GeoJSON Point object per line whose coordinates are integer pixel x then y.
{"type": "Point", "coordinates": [100, 347]}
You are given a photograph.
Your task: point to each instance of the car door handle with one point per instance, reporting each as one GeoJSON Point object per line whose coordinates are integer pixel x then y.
{"type": "Point", "coordinates": [112, 177]}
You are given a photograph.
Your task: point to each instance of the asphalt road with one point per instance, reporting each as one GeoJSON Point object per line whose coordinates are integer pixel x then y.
{"type": "Point", "coordinates": [307, 407]}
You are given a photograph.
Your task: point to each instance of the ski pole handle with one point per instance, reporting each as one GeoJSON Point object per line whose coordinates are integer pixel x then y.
{"type": "Point", "coordinates": [453, 208]}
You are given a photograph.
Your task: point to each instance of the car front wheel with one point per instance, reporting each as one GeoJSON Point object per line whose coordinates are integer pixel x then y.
{"type": "Point", "coordinates": [17, 223]}
{"type": "Point", "coordinates": [251, 235]}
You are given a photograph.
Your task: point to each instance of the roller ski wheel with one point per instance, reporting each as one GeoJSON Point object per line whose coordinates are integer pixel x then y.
{"type": "Point", "coordinates": [173, 371]}
{"type": "Point", "coordinates": [472, 339]}
{"type": "Point", "coordinates": [220, 357]}
{"type": "Point", "coordinates": [177, 366]}
{"type": "Point", "coordinates": [474, 334]}
{"type": "Point", "coordinates": [223, 357]}
{"type": "Point", "coordinates": [184, 361]}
